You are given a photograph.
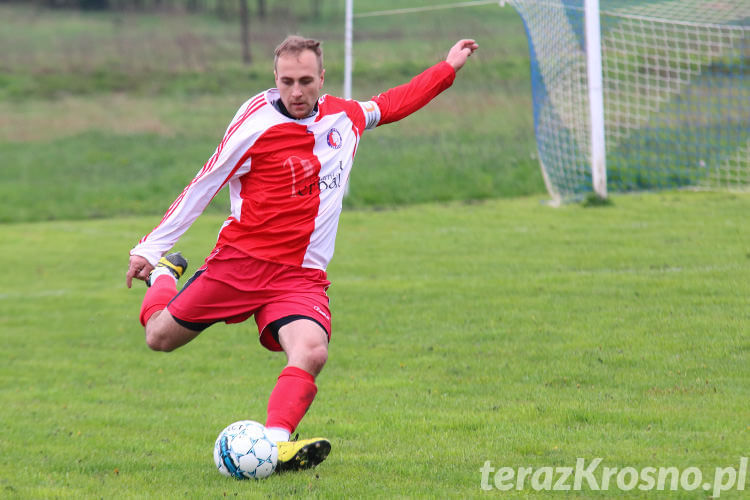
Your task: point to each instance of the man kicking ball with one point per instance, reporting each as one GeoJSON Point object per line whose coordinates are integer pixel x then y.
{"type": "Point", "coordinates": [286, 157]}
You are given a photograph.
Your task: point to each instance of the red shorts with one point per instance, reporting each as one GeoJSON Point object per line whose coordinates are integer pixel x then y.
{"type": "Point", "coordinates": [232, 286]}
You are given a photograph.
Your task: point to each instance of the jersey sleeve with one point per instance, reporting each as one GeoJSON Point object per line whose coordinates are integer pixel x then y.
{"type": "Point", "coordinates": [399, 102]}
{"type": "Point", "coordinates": [230, 159]}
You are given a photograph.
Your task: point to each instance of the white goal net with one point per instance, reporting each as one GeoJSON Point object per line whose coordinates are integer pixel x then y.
{"type": "Point", "coordinates": [675, 87]}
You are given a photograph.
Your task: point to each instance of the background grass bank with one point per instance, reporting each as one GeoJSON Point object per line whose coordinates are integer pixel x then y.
{"type": "Point", "coordinates": [112, 114]}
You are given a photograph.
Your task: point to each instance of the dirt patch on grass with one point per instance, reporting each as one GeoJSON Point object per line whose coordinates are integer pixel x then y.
{"type": "Point", "coordinates": [48, 120]}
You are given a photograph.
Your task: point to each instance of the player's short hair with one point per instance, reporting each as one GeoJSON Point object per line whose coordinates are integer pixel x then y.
{"type": "Point", "coordinates": [295, 45]}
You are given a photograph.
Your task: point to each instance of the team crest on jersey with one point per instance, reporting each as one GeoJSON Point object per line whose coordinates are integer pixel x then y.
{"type": "Point", "coordinates": [334, 138]}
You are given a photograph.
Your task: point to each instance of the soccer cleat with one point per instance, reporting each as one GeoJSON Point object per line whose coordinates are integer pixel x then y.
{"type": "Point", "coordinates": [299, 455]}
{"type": "Point", "coordinates": [174, 263]}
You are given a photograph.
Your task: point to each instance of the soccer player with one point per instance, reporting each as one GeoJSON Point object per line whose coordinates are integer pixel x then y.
{"type": "Point", "coordinates": [286, 157]}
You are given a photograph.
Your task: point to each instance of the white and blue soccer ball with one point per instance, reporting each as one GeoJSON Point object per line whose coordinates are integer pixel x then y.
{"type": "Point", "coordinates": [243, 451]}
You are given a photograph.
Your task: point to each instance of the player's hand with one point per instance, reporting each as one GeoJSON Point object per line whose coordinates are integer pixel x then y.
{"type": "Point", "coordinates": [139, 268]}
{"type": "Point", "coordinates": [460, 52]}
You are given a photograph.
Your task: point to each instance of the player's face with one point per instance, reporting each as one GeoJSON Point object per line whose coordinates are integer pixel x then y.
{"type": "Point", "coordinates": [299, 82]}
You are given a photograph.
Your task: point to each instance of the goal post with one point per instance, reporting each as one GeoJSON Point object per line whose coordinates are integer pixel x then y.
{"type": "Point", "coordinates": [596, 100]}
{"type": "Point", "coordinates": [668, 108]}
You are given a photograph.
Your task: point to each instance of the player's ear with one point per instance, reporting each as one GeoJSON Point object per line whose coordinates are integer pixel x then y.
{"type": "Point", "coordinates": [322, 77]}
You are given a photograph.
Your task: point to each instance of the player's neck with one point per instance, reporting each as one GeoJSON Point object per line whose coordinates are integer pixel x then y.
{"type": "Point", "coordinates": [279, 105]}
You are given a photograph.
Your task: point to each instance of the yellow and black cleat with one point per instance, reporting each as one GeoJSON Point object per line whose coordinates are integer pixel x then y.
{"type": "Point", "coordinates": [299, 455]}
{"type": "Point", "coordinates": [174, 262]}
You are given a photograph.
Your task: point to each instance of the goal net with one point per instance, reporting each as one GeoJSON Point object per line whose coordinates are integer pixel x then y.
{"type": "Point", "coordinates": [675, 87]}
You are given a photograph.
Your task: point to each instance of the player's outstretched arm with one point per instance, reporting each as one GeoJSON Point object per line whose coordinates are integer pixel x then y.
{"type": "Point", "coordinates": [460, 52]}
{"type": "Point", "coordinates": [399, 102]}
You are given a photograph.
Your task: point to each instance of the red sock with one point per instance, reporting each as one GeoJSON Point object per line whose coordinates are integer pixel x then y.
{"type": "Point", "coordinates": [157, 297]}
{"type": "Point", "coordinates": [290, 399]}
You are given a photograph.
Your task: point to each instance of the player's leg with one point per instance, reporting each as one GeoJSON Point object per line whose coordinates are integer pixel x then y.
{"type": "Point", "coordinates": [163, 333]}
{"type": "Point", "coordinates": [305, 343]}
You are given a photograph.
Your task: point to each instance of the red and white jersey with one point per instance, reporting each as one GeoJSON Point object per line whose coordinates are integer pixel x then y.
{"type": "Point", "coordinates": [287, 176]}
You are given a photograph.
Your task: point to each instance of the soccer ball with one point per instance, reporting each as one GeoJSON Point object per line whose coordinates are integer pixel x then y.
{"type": "Point", "coordinates": [243, 451]}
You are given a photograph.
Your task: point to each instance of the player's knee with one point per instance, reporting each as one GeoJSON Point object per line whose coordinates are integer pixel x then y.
{"type": "Point", "coordinates": [157, 340]}
{"type": "Point", "coordinates": [316, 358]}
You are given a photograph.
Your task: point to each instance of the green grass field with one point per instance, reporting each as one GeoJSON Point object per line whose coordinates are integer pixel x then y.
{"type": "Point", "coordinates": [472, 323]}
{"type": "Point", "coordinates": [505, 331]}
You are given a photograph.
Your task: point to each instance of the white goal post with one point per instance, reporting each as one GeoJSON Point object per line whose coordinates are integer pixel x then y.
{"type": "Point", "coordinates": [666, 106]}
{"type": "Point", "coordinates": [596, 100]}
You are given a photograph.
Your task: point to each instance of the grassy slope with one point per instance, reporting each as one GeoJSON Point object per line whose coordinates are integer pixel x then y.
{"type": "Point", "coordinates": [504, 331]}
{"type": "Point", "coordinates": [120, 130]}
{"type": "Point", "coordinates": [442, 153]}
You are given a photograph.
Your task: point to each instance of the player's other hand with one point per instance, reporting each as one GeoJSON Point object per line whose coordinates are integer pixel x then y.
{"type": "Point", "coordinates": [139, 268]}
{"type": "Point", "coordinates": [460, 52]}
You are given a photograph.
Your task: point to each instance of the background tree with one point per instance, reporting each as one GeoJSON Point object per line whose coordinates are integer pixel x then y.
{"type": "Point", "coordinates": [316, 5]}
{"type": "Point", "coordinates": [245, 32]}
{"type": "Point", "coordinates": [261, 9]}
